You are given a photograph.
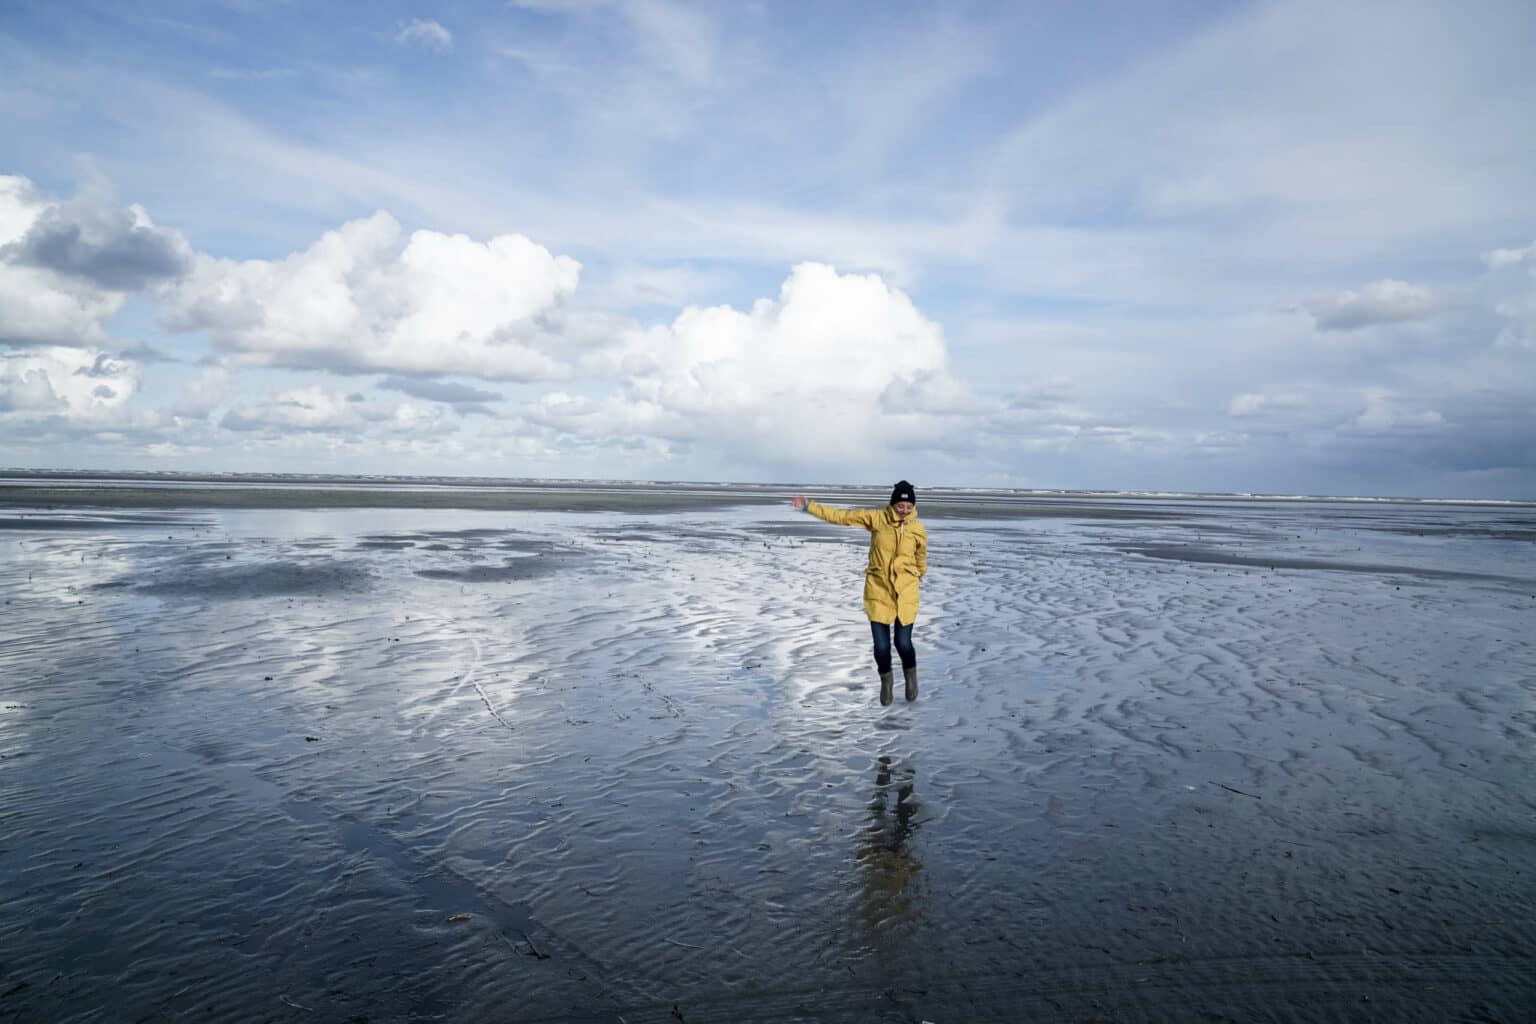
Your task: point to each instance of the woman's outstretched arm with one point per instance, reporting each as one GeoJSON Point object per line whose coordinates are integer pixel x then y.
{"type": "Point", "coordinates": [839, 516]}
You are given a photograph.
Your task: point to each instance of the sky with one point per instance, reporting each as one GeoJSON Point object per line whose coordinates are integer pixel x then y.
{"type": "Point", "coordinates": [1186, 245]}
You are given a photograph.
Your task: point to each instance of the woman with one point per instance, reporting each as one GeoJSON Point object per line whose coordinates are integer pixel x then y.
{"type": "Point", "coordinates": [898, 558]}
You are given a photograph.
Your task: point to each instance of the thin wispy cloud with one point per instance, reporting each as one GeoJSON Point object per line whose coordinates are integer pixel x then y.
{"type": "Point", "coordinates": [254, 74]}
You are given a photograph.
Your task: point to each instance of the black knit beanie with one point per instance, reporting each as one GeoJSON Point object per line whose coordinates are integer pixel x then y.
{"type": "Point", "coordinates": [903, 492]}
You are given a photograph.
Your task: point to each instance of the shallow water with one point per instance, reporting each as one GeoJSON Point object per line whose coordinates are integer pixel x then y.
{"type": "Point", "coordinates": [1226, 761]}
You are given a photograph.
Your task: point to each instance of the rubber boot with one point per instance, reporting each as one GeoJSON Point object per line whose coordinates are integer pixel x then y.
{"type": "Point", "coordinates": [910, 671]}
{"type": "Point", "coordinates": [887, 683]}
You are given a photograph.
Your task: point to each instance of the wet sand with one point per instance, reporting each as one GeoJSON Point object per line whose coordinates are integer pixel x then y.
{"type": "Point", "coordinates": [617, 756]}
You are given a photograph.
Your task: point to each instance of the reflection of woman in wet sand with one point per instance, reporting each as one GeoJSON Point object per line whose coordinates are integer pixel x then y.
{"type": "Point", "coordinates": [898, 559]}
{"type": "Point", "coordinates": [889, 867]}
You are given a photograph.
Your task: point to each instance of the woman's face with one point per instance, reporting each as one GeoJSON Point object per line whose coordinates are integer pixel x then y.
{"type": "Point", "coordinates": [904, 509]}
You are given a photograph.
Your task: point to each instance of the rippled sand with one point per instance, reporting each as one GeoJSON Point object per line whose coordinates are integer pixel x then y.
{"type": "Point", "coordinates": [1180, 761]}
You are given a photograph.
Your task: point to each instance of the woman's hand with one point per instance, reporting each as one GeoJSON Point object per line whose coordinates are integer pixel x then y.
{"type": "Point", "coordinates": [798, 502]}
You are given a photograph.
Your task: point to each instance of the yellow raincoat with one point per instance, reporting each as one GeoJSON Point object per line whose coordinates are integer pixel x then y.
{"type": "Point", "coordinates": [898, 558]}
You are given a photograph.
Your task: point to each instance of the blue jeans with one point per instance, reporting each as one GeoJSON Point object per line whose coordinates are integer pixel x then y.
{"type": "Point", "coordinates": [882, 632]}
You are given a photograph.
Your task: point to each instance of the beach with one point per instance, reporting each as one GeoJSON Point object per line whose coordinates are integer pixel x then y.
{"type": "Point", "coordinates": [317, 750]}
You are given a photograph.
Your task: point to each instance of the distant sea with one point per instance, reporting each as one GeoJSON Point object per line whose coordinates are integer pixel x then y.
{"type": "Point", "coordinates": [75, 481]}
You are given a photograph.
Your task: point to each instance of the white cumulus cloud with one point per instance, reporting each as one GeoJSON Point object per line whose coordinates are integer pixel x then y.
{"type": "Point", "coordinates": [1379, 302]}
{"type": "Point", "coordinates": [66, 268]}
{"type": "Point", "coordinates": [92, 239]}
{"type": "Point", "coordinates": [426, 33]}
{"type": "Point", "coordinates": [836, 367]}
{"type": "Point", "coordinates": [357, 300]}
{"type": "Point", "coordinates": [78, 385]}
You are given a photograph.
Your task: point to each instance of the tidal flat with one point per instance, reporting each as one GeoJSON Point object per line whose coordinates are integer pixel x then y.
{"type": "Point", "coordinates": [615, 754]}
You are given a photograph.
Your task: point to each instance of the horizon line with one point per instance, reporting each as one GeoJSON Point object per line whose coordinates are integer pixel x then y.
{"type": "Point", "coordinates": [1080, 492]}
